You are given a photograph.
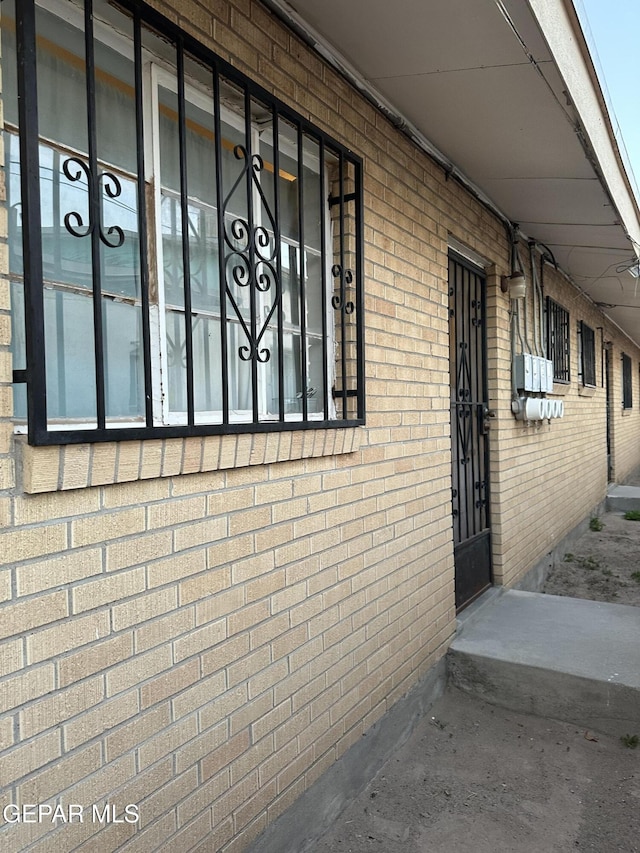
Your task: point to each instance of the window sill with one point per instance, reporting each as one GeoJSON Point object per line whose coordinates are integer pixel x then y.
{"type": "Point", "coordinates": [587, 390]}
{"type": "Point", "coordinates": [627, 412]}
{"type": "Point", "coordinates": [561, 389]}
{"type": "Point", "coordinates": [77, 466]}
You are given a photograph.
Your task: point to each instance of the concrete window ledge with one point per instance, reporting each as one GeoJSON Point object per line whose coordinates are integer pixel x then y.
{"type": "Point", "coordinates": [77, 466]}
{"type": "Point", "coordinates": [587, 391]}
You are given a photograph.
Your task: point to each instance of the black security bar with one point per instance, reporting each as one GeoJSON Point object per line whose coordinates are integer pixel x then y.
{"type": "Point", "coordinates": [249, 256]}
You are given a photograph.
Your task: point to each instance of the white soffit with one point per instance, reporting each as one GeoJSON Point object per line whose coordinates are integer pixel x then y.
{"type": "Point", "coordinates": [473, 114]}
{"type": "Point", "coordinates": [559, 22]}
{"type": "Point", "coordinates": [505, 89]}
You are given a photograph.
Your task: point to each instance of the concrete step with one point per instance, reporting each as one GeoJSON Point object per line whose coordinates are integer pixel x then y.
{"type": "Point", "coordinates": [553, 656]}
{"type": "Point", "coordinates": [623, 498]}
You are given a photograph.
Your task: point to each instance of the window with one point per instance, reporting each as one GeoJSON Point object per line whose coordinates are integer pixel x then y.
{"type": "Point", "coordinates": [558, 340]}
{"type": "Point", "coordinates": [627, 389]}
{"type": "Point", "coordinates": [185, 252]}
{"type": "Point", "coordinates": [587, 354]}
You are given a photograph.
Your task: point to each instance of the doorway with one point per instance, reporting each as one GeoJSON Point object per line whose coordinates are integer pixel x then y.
{"type": "Point", "coordinates": [607, 381]}
{"type": "Point", "coordinates": [469, 430]}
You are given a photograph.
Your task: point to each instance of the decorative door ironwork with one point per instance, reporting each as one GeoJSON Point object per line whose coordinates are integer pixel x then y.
{"type": "Point", "coordinates": [470, 420]}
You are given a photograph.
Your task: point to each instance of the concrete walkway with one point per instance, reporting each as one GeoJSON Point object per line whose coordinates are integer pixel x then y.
{"type": "Point", "coordinates": [623, 498]}
{"type": "Point", "coordinates": [565, 658]}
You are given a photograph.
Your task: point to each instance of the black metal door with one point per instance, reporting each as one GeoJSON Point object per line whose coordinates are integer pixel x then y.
{"type": "Point", "coordinates": [470, 419]}
{"type": "Point", "coordinates": [607, 374]}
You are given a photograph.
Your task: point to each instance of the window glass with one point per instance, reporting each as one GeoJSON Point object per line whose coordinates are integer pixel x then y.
{"type": "Point", "coordinates": [71, 390]}
{"type": "Point", "coordinates": [67, 222]}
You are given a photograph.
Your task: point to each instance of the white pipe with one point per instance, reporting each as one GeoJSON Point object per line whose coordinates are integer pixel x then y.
{"type": "Point", "coordinates": [514, 385]}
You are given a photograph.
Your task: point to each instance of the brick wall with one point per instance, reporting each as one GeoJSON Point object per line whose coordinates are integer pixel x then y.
{"type": "Point", "coordinates": [202, 627]}
{"type": "Point", "coordinates": [547, 477]}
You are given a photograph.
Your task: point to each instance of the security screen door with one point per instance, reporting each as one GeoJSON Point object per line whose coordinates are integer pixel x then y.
{"type": "Point", "coordinates": [469, 429]}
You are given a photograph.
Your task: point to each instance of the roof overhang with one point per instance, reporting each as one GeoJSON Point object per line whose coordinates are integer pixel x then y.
{"type": "Point", "coordinates": [506, 94]}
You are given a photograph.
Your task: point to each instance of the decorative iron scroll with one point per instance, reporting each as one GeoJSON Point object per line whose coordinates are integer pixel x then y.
{"type": "Point", "coordinates": [481, 486]}
{"type": "Point", "coordinates": [336, 300]}
{"type": "Point", "coordinates": [464, 407]}
{"type": "Point", "coordinates": [251, 261]}
{"type": "Point", "coordinates": [73, 221]}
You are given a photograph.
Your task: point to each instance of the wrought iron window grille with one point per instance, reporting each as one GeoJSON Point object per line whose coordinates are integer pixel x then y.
{"type": "Point", "coordinates": [627, 382]}
{"type": "Point", "coordinates": [558, 349]}
{"type": "Point", "coordinates": [587, 354]}
{"type": "Point", "coordinates": [219, 287]}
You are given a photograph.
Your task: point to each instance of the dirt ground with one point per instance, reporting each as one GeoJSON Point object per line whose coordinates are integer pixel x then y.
{"type": "Point", "coordinates": [603, 565]}
{"type": "Point", "coordinates": [474, 778]}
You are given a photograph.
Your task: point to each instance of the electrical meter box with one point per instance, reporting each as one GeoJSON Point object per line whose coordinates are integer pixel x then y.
{"type": "Point", "coordinates": [549, 365]}
{"type": "Point", "coordinates": [524, 372]}
{"type": "Point", "coordinates": [536, 373]}
{"type": "Point", "coordinates": [533, 373]}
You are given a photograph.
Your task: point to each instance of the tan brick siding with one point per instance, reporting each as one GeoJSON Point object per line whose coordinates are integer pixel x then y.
{"type": "Point", "coordinates": [202, 627]}
{"type": "Point", "coordinates": [547, 477]}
